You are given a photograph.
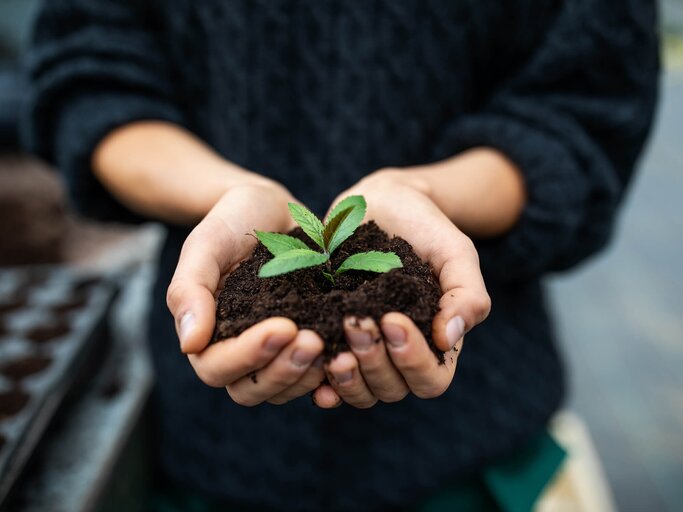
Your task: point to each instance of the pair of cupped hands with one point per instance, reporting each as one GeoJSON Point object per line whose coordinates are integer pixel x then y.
{"type": "Point", "coordinates": [387, 361]}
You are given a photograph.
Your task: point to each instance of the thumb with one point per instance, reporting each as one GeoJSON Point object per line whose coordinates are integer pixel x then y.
{"type": "Point", "coordinates": [190, 296]}
{"type": "Point", "coordinates": [465, 301]}
{"type": "Point", "coordinates": [194, 309]}
{"type": "Point", "coordinates": [460, 310]}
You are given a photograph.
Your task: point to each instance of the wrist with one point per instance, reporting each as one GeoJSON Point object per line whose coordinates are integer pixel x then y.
{"type": "Point", "coordinates": [162, 171]}
{"type": "Point", "coordinates": [480, 190]}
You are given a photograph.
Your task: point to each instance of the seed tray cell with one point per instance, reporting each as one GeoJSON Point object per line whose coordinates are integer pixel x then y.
{"type": "Point", "coordinates": [53, 332]}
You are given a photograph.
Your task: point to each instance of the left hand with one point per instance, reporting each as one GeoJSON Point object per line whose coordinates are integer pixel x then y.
{"type": "Point", "coordinates": [398, 201]}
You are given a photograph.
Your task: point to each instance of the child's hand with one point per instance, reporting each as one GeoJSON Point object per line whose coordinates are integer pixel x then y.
{"type": "Point", "coordinates": [404, 363]}
{"type": "Point", "coordinates": [271, 361]}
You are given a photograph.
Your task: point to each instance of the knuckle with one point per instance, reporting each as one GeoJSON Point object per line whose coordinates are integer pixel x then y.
{"type": "Point", "coordinates": [412, 365]}
{"type": "Point", "coordinates": [372, 361]}
{"type": "Point", "coordinates": [368, 405]}
{"type": "Point", "coordinates": [358, 396]}
{"type": "Point", "coordinates": [393, 396]}
{"type": "Point", "coordinates": [431, 390]}
{"type": "Point", "coordinates": [209, 377]}
{"type": "Point", "coordinates": [440, 252]}
{"type": "Point", "coordinates": [174, 296]}
{"type": "Point", "coordinates": [241, 398]}
{"type": "Point", "coordinates": [283, 379]}
{"type": "Point", "coordinates": [363, 403]}
{"type": "Point", "coordinates": [468, 247]}
{"type": "Point", "coordinates": [422, 392]}
{"type": "Point", "coordinates": [310, 382]}
{"type": "Point", "coordinates": [482, 305]}
{"type": "Point", "coordinates": [464, 248]}
{"type": "Point", "coordinates": [350, 387]}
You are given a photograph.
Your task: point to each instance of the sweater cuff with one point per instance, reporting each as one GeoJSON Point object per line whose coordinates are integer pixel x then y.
{"type": "Point", "coordinates": [556, 193]}
{"type": "Point", "coordinates": [83, 121]}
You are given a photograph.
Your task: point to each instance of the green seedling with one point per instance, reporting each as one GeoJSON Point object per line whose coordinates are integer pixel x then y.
{"type": "Point", "coordinates": [290, 254]}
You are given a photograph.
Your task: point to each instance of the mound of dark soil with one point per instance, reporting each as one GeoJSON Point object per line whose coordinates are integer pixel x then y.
{"type": "Point", "coordinates": [312, 302]}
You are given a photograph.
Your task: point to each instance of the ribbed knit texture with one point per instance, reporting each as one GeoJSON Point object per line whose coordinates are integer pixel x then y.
{"type": "Point", "coordinates": [317, 94]}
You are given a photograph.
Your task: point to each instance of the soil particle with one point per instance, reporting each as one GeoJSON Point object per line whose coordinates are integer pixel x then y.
{"type": "Point", "coordinates": [312, 302]}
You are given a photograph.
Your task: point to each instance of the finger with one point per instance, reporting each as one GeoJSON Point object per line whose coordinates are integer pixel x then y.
{"type": "Point", "coordinates": [190, 297]}
{"type": "Point", "coordinates": [465, 301]}
{"type": "Point", "coordinates": [314, 377]}
{"type": "Point", "coordinates": [326, 397]}
{"type": "Point", "coordinates": [346, 379]}
{"type": "Point", "coordinates": [376, 368]}
{"type": "Point", "coordinates": [411, 355]}
{"type": "Point", "coordinates": [215, 246]}
{"type": "Point", "coordinates": [226, 361]}
{"type": "Point", "coordinates": [285, 370]}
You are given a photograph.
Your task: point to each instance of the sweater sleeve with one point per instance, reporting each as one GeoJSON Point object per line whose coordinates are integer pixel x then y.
{"type": "Point", "coordinates": [94, 65]}
{"type": "Point", "coordinates": [574, 118]}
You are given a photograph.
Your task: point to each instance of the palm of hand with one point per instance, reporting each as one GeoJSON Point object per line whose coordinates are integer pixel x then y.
{"type": "Point", "coordinates": [404, 363]}
{"type": "Point", "coordinates": [287, 359]}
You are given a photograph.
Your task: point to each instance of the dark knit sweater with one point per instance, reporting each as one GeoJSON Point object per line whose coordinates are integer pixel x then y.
{"type": "Point", "coordinates": [317, 94]}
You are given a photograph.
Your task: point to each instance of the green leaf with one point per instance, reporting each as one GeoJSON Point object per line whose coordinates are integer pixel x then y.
{"type": "Point", "coordinates": [347, 202]}
{"type": "Point", "coordinates": [329, 277]}
{"type": "Point", "coordinates": [333, 224]}
{"type": "Point", "coordinates": [308, 222]}
{"type": "Point", "coordinates": [373, 261]}
{"type": "Point", "coordinates": [349, 223]}
{"type": "Point", "coordinates": [277, 243]}
{"type": "Point", "coordinates": [292, 260]}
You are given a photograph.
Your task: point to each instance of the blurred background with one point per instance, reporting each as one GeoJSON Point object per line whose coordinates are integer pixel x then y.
{"type": "Point", "coordinates": [621, 321]}
{"type": "Point", "coordinates": [74, 416]}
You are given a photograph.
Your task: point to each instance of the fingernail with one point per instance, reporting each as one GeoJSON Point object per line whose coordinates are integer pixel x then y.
{"type": "Point", "coordinates": [302, 358]}
{"type": "Point", "coordinates": [455, 328]}
{"type": "Point", "coordinates": [187, 324]}
{"type": "Point", "coordinates": [394, 334]}
{"type": "Point", "coordinates": [343, 377]}
{"type": "Point", "coordinates": [358, 339]}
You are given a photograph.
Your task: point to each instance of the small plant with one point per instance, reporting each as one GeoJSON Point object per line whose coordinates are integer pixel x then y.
{"type": "Point", "coordinates": [291, 254]}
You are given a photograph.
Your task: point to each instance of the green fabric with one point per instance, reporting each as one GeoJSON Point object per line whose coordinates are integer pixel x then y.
{"type": "Point", "coordinates": [517, 482]}
{"type": "Point", "coordinates": [511, 485]}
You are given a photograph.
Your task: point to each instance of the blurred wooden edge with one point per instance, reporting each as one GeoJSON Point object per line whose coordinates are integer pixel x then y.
{"type": "Point", "coordinates": [580, 484]}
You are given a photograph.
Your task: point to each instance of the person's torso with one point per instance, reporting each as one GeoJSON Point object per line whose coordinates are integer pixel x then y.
{"type": "Point", "coordinates": [319, 93]}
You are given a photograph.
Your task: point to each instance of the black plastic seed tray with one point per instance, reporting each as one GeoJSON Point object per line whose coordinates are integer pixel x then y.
{"type": "Point", "coordinates": [53, 332]}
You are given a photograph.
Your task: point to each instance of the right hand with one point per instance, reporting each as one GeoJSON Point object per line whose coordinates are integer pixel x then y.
{"type": "Point", "coordinates": [287, 361]}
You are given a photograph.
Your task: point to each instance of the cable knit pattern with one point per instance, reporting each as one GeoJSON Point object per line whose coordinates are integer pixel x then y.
{"type": "Point", "coordinates": [317, 94]}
